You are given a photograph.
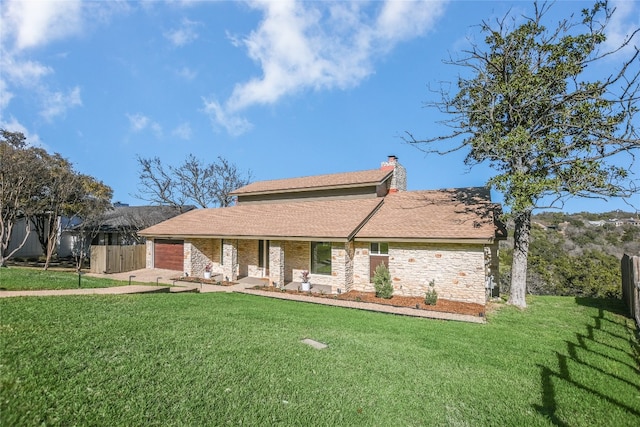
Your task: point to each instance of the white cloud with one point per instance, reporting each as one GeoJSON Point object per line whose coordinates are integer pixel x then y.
{"type": "Point", "coordinates": [184, 35]}
{"type": "Point", "coordinates": [29, 24]}
{"type": "Point", "coordinates": [22, 72]}
{"type": "Point", "coordinates": [5, 95]}
{"type": "Point", "coordinates": [139, 122]}
{"type": "Point", "coordinates": [318, 46]}
{"type": "Point", "coordinates": [57, 103]}
{"type": "Point", "coordinates": [13, 125]}
{"type": "Point", "coordinates": [187, 73]}
{"type": "Point", "coordinates": [34, 23]}
{"type": "Point", "coordinates": [183, 131]}
{"type": "Point", "coordinates": [233, 124]}
{"type": "Point", "coordinates": [625, 20]}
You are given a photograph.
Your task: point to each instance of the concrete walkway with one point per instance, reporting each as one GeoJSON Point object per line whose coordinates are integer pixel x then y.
{"type": "Point", "coordinates": [245, 286]}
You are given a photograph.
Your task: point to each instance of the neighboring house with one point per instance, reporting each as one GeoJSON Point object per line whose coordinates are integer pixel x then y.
{"type": "Point", "coordinates": [339, 227]}
{"type": "Point", "coordinates": [32, 247]}
{"type": "Point", "coordinates": [120, 225]}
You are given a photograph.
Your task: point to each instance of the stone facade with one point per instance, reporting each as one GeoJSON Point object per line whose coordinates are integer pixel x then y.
{"type": "Point", "coordinates": [296, 260]}
{"type": "Point", "coordinates": [248, 263]}
{"type": "Point", "coordinates": [199, 253]}
{"type": "Point", "coordinates": [460, 272]}
{"type": "Point", "coordinates": [149, 247]}
{"type": "Point", "coordinates": [230, 259]}
{"type": "Point", "coordinates": [276, 263]}
{"type": "Point", "coordinates": [399, 178]}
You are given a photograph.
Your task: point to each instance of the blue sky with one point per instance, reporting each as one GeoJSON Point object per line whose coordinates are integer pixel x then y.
{"type": "Point", "coordinates": [283, 88]}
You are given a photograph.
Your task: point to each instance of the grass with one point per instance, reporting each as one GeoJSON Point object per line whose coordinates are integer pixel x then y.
{"type": "Point", "coordinates": [33, 279]}
{"type": "Point", "coordinates": [217, 359]}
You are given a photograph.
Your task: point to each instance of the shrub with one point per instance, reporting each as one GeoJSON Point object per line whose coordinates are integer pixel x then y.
{"type": "Point", "coordinates": [431, 296]}
{"type": "Point", "coordinates": [382, 282]}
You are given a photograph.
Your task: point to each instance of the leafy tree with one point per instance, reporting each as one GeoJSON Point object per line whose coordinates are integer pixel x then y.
{"type": "Point", "coordinates": [90, 202]}
{"type": "Point", "coordinates": [56, 194]}
{"type": "Point", "coordinates": [531, 113]}
{"type": "Point", "coordinates": [193, 181]}
{"type": "Point", "coordinates": [22, 178]}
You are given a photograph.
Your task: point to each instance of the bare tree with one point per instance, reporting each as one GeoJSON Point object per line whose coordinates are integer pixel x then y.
{"type": "Point", "coordinates": [228, 179]}
{"type": "Point", "coordinates": [157, 185]}
{"type": "Point", "coordinates": [196, 181]}
{"type": "Point", "coordinates": [205, 185]}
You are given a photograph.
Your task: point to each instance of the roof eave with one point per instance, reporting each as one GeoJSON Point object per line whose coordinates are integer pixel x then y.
{"type": "Point", "coordinates": [451, 240]}
{"type": "Point", "coordinates": [256, 237]}
{"type": "Point", "coordinates": [316, 188]}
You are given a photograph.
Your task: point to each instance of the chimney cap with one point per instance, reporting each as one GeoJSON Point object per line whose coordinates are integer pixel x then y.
{"type": "Point", "coordinates": [393, 156]}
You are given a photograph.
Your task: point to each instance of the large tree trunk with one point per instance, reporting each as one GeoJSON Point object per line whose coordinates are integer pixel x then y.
{"type": "Point", "coordinates": [521, 238]}
{"type": "Point", "coordinates": [52, 241]}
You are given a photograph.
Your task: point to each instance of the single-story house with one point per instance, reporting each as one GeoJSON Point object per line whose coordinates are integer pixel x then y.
{"type": "Point", "coordinates": [339, 227]}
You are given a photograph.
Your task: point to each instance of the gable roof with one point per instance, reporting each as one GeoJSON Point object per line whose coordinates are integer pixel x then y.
{"type": "Point", "coordinates": [455, 215]}
{"type": "Point", "coordinates": [335, 220]}
{"type": "Point", "coordinates": [121, 218]}
{"type": "Point", "coordinates": [436, 215]}
{"type": "Point", "coordinates": [316, 182]}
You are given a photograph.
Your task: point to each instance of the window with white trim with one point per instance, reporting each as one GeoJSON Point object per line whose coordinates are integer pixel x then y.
{"type": "Point", "coordinates": [379, 248]}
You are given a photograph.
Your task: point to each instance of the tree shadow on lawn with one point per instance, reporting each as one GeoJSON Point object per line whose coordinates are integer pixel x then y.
{"type": "Point", "coordinates": [577, 365]}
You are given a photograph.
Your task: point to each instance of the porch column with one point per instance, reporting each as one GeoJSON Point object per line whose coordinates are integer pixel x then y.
{"type": "Point", "coordinates": [230, 259]}
{"type": "Point", "coordinates": [276, 262]}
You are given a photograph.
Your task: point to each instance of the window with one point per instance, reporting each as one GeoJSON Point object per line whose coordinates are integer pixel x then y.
{"type": "Point", "coordinates": [221, 251]}
{"type": "Point", "coordinates": [378, 248]}
{"type": "Point", "coordinates": [321, 257]}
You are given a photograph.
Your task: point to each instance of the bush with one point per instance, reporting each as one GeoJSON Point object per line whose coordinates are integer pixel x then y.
{"type": "Point", "coordinates": [382, 282]}
{"type": "Point", "coordinates": [431, 297]}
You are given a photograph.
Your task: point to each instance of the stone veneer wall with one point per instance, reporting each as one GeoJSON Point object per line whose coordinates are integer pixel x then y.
{"type": "Point", "coordinates": [199, 253]}
{"type": "Point", "coordinates": [248, 258]}
{"type": "Point", "coordinates": [458, 270]}
{"type": "Point", "coordinates": [361, 268]}
{"type": "Point", "coordinates": [230, 261]}
{"type": "Point", "coordinates": [276, 262]}
{"type": "Point", "coordinates": [296, 260]}
{"type": "Point", "coordinates": [149, 258]}
{"type": "Point", "coordinates": [492, 263]}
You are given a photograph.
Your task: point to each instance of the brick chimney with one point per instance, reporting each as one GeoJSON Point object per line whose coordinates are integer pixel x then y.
{"type": "Point", "coordinates": [399, 178]}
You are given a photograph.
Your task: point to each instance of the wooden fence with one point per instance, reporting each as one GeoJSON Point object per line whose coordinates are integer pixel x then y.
{"type": "Point", "coordinates": [117, 259]}
{"type": "Point", "coordinates": [630, 266]}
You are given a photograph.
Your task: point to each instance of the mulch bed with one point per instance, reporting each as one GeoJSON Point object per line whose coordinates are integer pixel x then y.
{"type": "Point", "coordinates": [442, 305]}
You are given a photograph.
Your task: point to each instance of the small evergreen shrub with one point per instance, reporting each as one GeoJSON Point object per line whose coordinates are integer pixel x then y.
{"type": "Point", "coordinates": [382, 282]}
{"type": "Point", "coordinates": [431, 296]}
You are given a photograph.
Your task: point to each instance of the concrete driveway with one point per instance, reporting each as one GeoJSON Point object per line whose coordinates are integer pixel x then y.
{"type": "Point", "coordinates": [169, 277]}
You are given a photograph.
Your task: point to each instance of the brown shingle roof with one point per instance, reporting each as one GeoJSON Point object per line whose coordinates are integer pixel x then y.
{"type": "Point", "coordinates": [327, 219]}
{"type": "Point", "coordinates": [463, 213]}
{"type": "Point", "coordinates": [336, 180]}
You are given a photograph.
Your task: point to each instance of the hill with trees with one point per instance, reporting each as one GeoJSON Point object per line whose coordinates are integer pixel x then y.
{"type": "Point", "coordinates": [575, 254]}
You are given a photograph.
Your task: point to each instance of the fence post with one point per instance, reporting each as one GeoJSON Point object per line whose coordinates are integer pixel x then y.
{"type": "Point", "coordinates": [630, 269]}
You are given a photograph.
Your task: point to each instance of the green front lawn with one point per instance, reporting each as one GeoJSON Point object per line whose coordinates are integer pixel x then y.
{"type": "Point", "coordinates": [33, 279]}
{"type": "Point", "coordinates": [218, 359]}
